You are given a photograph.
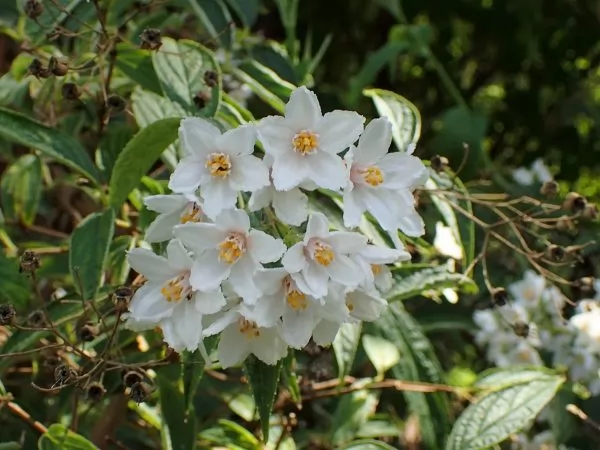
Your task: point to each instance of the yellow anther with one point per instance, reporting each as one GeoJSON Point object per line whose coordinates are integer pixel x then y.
{"type": "Point", "coordinates": [305, 142]}
{"type": "Point", "coordinates": [232, 248]}
{"type": "Point", "coordinates": [219, 165]}
{"type": "Point", "coordinates": [192, 213]}
{"type": "Point", "coordinates": [173, 290]}
{"type": "Point", "coordinates": [376, 269]}
{"type": "Point", "coordinates": [323, 254]}
{"type": "Point", "coordinates": [349, 305]}
{"type": "Point", "coordinates": [297, 300]}
{"type": "Point", "coordinates": [373, 176]}
{"type": "Point", "coordinates": [248, 328]}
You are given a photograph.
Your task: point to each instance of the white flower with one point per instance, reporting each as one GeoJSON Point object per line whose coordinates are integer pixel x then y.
{"type": "Point", "coordinates": [445, 242]}
{"type": "Point", "coordinates": [228, 249]}
{"type": "Point", "coordinates": [372, 260]}
{"type": "Point", "coordinates": [304, 144]}
{"type": "Point", "coordinates": [173, 209]}
{"type": "Point", "coordinates": [538, 171]}
{"type": "Point", "coordinates": [380, 182]}
{"type": "Point", "coordinates": [529, 290]}
{"type": "Point", "coordinates": [322, 256]}
{"type": "Point", "coordinates": [242, 336]}
{"type": "Point", "coordinates": [220, 164]}
{"type": "Point", "coordinates": [291, 207]}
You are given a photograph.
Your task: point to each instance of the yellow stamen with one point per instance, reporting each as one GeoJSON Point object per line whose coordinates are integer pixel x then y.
{"type": "Point", "coordinates": [297, 300]}
{"type": "Point", "coordinates": [232, 248]}
{"type": "Point", "coordinates": [219, 165]}
{"type": "Point", "coordinates": [305, 142]}
{"type": "Point", "coordinates": [323, 254]}
{"type": "Point", "coordinates": [349, 305]}
{"type": "Point", "coordinates": [191, 214]}
{"type": "Point", "coordinates": [248, 328]}
{"type": "Point", "coordinates": [376, 269]}
{"type": "Point", "coordinates": [174, 289]}
{"type": "Point", "coordinates": [373, 176]}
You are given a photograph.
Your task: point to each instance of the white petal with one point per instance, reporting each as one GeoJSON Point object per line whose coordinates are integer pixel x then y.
{"type": "Point", "coordinates": [289, 171]}
{"type": "Point", "coordinates": [178, 256]}
{"type": "Point", "coordinates": [199, 236]}
{"type": "Point", "coordinates": [238, 141]}
{"type": "Point", "coordinates": [367, 307]}
{"type": "Point", "coordinates": [384, 255]}
{"type": "Point", "coordinates": [152, 266]}
{"type": "Point", "coordinates": [325, 332]}
{"type": "Point", "coordinates": [268, 347]}
{"type": "Point", "coordinates": [402, 171]}
{"type": "Point", "coordinates": [316, 278]}
{"type": "Point", "coordinates": [161, 229]}
{"type": "Point", "coordinates": [208, 272]}
{"type": "Point", "coordinates": [303, 110]}
{"type": "Point", "coordinates": [275, 135]}
{"type": "Point", "coordinates": [347, 241]}
{"type": "Point", "coordinates": [248, 173]}
{"type": "Point", "coordinates": [165, 204]}
{"type": "Point", "coordinates": [242, 280]}
{"type": "Point", "coordinates": [198, 136]}
{"type": "Point", "coordinates": [344, 271]}
{"type": "Point", "coordinates": [338, 130]}
{"type": "Point", "coordinates": [318, 226]}
{"type": "Point", "coordinates": [384, 206]}
{"type": "Point", "coordinates": [223, 321]}
{"type": "Point", "coordinates": [137, 325]}
{"type": "Point", "coordinates": [188, 175]}
{"type": "Point", "coordinates": [269, 280]}
{"type": "Point", "coordinates": [187, 326]}
{"type": "Point", "coordinates": [261, 198]}
{"type": "Point", "coordinates": [233, 347]}
{"type": "Point", "coordinates": [297, 327]}
{"type": "Point", "coordinates": [291, 207]}
{"type": "Point", "coordinates": [353, 210]}
{"type": "Point", "coordinates": [412, 225]}
{"type": "Point", "coordinates": [218, 196]}
{"type": "Point", "coordinates": [268, 309]}
{"type": "Point", "coordinates": [209, 302]}
{"type": "Point", "coordinates": [294, 259]}
{"type": "Point", "coordinates": [327, 170]}
{"type": "Point", "coordinates": [375, 141]}
{"type": "Point", "coordinates": [149, 305]}
{"type": "Point", "coordinates": [233, 220]}
{"type": "Point", "coordinates": [263, 247]}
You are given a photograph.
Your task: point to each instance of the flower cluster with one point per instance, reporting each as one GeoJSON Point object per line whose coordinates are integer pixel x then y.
{"type": "Point", "coordinates": [227, 271]}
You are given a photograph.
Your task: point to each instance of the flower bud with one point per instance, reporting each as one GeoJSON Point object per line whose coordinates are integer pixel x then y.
{"type": "Point", "coordinates": [33, 9]}
{"type": "Point", "coordinates": [499, 297]}
{"type": "Point", "coordinates": [549, 188]}
{"type": "Point", "coordinates": [211, 78]}
{"type": "Point", "coordinates": [88, 332]}
{"type": "Point", "coordinates": [574, 202]}
{"type": "Point", "coordinates": [7, 314]}
{"type": "Point", "coordinates": [151, 39]}
{"type": "Point", "coordinates": [95, 391]}
{"type": "Point", "coordinates": [439, 163]}
{"type": "Point", "coordinates": [29, 262]}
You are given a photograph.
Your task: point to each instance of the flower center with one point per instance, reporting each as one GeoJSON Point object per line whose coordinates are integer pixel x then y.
{"type": "Point", "coordinates": [191, 213]}
{"type": "Point", "coordinates": [248, 328]}
{"type": "Point", "coordinates": [219, 164]}
{"type": "Point", "coordinates": [232, 248]}
{"type": "Point", "coordinates": [177, 288]}
{"type": "Point", "coordinates": [376, 269]}
{"type": "Point", "coordinates": [529, 294]}
{"type": "Point", "coordinates": [323, 253]}
{"type": "Point", "coordinates": [373, 176]}
{"type": "Point", "coordinates": [305, 142]}
{"type": "Point", "coordinates": [349, 305]}
{"type": "Point", "coordinates": [294, 297]}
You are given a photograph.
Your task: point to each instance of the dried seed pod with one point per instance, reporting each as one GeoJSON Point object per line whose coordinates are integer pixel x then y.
{"type": "Point", "coordinates": [58, 67]}
{"type": "Point", "coordinates": [121, 297]}
{"type": "Point", "coordinates": [151, 39]}
{"type": "Point", "coordinates": [590, 211]}
{"type": "Point", "coordinates": [201, 99]}
{"type": "Point", "coordinates": [574, 202]}
{"type": "Point", "coordinates": [8, 314]}
{"type": "Point", "coordinates": [499, 297]}
{"type": "Point", "coordinates": [95, 391]}
{"type": "Point", "coordinates": [29, 262]}
{"type": "Point", "coordinates": [211, 78]}
{"type": "Point", "coordinates": [439, 163]}
{"type": "Point", "coordinates": [132, 377]}
{"type": "Point", "coordinates": [549, 188]}
{"type": "Point", "coordinates": [116, 103]}
{"type": "Point", "coordinates": [565, 223]}
{"type": "Point", "coordinates": [33, 9]}
{"type": "Point", "coordinates": [555, 253]}
{"type": "Point", "coordinates": [64, 374]}
{"type": "Point", "coordinates": [36, 319]}
{"type": "Point", "coordinates": [88, 332]}
{"type": "Point", "coordinates": [139, 391]}
{"type": "Point", "coordinates": [70, 91]}
{"type": "Point", "coordinates": [521, 329]}
{"type": "Point", "coordinates": [586, 285]}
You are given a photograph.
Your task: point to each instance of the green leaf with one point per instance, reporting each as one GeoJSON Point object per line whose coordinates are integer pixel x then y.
{"type": "Point", "coordinates": [352, 412]}
{"type": "Point", "coordinates": [137, 65]}
{"type": "Point", "coordinates": [263, 381]}
{"type": "Point", "coordinates": [290, 377]}
{"type": "Point", "coordinates": [381, 352]}
{"type": "Point", "coordinates": [268, 78]}
{"type": "Point", "coordinates": [496, 416]}
{"type": "Point", "coordinates": [180, 67]}
{"type": "Point", "coordinates": [88, 251]}
{"type": "Point", "coordinates": [260, 90]}
{"type": "Point", "coordinates": [138, 156]}
{"type": "Point", "coordinates": [59, 437]}
{"type": "Point", "coordinates": [215, 17]}
{"type": "Point", "coordinates": [21, 189]}
{"type": "Point", "coordinates": [436, 278]}
{"type": "Point", "coordinates": [247, 10]}
{"type": "Point", "coordinates": [20, 129]}
{"type": "Point", "coordinates": [404, 116]}
{"type": "Point", "coordinates": [10, 446]}
{"type": "Point", "coordinates": [193, 370]}
{"type": "Point", "coordinates": [345, 345]}
{"type": "Point", "coordinates": [494, 379]}
{"type": "Point", "coordinates": [367, 444]}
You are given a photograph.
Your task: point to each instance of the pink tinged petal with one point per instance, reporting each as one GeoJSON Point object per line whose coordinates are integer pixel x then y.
{"type": "Point", "coordinates": [412, 224]}
{"type": "Point", "coordinates": [165, 204]}
{"type": "Point", "coordinates": [161, 229]}
{"type": "Point", "coordinates": [188, 175]}
{"type": "Point", "coordinates": [242, 280]}
{"type": "Point", "coordinates": [221, 323]}
{"type": "Point", "coordinates": [276, 135]}
{"type": "Point", "coordinates": [210, 302]}
{"type": "Point", "coordinates": [291, 207]}
{"type": "Point", "coordinates": [208, 272]}
{"type": "Point", "coordinates": [178, 256]}
{"type": "Point", "coordinates": [353, 210]}
{"type": "Point", "coordinates": [338, 130]}
{"type": "Point", "coordinates": [199, 236]}
{"type": "Point", "coordinates": [375, 141]}
{"type": "Point", "coordinates": [402, 171]}
{"type": "Point", "coordinates": [238, 141]}
{"type": "Point", "coordinates": [294, 259]}
{"type": "Point", "coordinates": [298, 327]}
{"type": "Point", "coordinates": [347, 241]}
{"type": "Point", "coordinates": [345, 271]}
{"type": "Point", "coordinates": [316, 278]}
{"type": "Point", "coordinates": [218, 196]}
{"type": "Point", "coordinates": [233, 220]}
{"type": "Point", "coordinates": [268, 347]}
{"type": "Point", "coordinates": [248, 173]}
{"type": "Point", "coordinates": [268, 309]}
{"type": "Point", "coordinates": [269, 281]}
{"type": "Point", "coordinates": [153, 267]}
{"type": "Point", "coordinates": [327, 170]}
{"type": "Point", "coordinates": [261, 198]}
{"type": "Point", "coordinates": [318, 226]}
{"type": "Point", "coordinates": [149, 305]}
{"type": "Point", "coordinates": [198, 136]}
{"type": "Point", "coordinates": [264, 248]}
{"type": "Point", "coordinates": [233, 347]}
{"type": "Point", "coordinates": [302, 110]}
{"type": "Point", "coordinates": [289, 171]}
{"type": "Point", "coordinates": [325, 332]}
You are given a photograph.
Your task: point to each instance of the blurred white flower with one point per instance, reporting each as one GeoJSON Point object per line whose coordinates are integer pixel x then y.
{"type": "Point", "coordinates": [538, 172]}
{"type": "Point", "coordinates": [529, 290]}
{"type": "Point", "coordinates": [445, 242]}
{"type": "Point", "coordinates": [304, 144]}
{"type": "Point", "coordinates": [173, 209]}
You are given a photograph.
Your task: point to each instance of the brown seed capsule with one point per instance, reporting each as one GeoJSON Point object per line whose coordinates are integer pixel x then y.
{"type": "Point", "coordinates": [586, 285]}
{"type": "Point", "coordinates": [211, 78]}
{"type": "Point", "coordinates": [132, 377]}
{"type": "Point", "coordinates": [549, 188]}
{"type": "Point", "coordinates": [201, 99]}
{"type": "Point", "coordinates": [8, 314]}
{"type": "Point", "coordinates": [29, 262]}
{"type": "Point", "coordinates": [33, 9]}
{"type": "Point", "coordinates": [58, 67]}
{"type": "Point", "coordinates": [64, 374]}
{"type": "Point", "coordinates": [555, 253]}
{"type": "Point", "coordinates": [36, 319]}
{"type": "Point", "coordinates": [121, 297]}
{"type": "Point", "coordinates": [564, 223]}
{"type": "Point", "coordinates": [151, 39]}
{"type": "Point", "coordinates": [139, 391]}
{"type": "Point", "coordinates": [574, 202]}
{"type": "Point", "coordinates": [70, 91]}
{"type": "Point", "coordinates": [521, 329]}
{"type": "Point", "coordinates": [116, 103]}
{"type": "Point", "coordinates": [439, 163]}
{"type": "Point", "coordinates": [499, 297]}
{"type": "Point", "coordinates": [88, 332]}
{"type": "Point", "coordinates": [590, 211]}
{"type": "Point", "coordinates": [95, 391]}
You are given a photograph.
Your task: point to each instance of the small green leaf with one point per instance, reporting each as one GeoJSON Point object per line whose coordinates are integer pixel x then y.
{"type": "Point", "coordinates": [404, 116]}
{"type": "Point", "coordinates": [88, 251]}
{"type": "Point", "coordinates": [268, 78]}
{"type": "Point", "coordinates": [139, 155]}
{"type": "Point", "coordinates": [381, 352]}
{"type": "Point", "coordinates": [247, 10]}
{"type": "Point", "coordinates": [263, 381]}
{"type": "Point", "coordinates": [345, 345]}
{"type": "Point", "coordinates": [496, 416]}
{"type": "Point", "coordinates": [136, 64]}
{"type": "Point", "coordinates": [436, 278]}
{"type": "Point", "coordinates": [21, 189]}
{"type": "Point", "coordinates": [60, 437]}
{"type": "Point", "coordinates": [180, 67]}
{"type": "Point", "coordinates": [352, 412]}
{"type": "Point", "coordinates": [20, 129]}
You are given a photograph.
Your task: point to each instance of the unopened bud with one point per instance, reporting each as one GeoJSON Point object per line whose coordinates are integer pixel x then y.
{"type": "Point", "coordinates": [95, 391]}
{"type": "Point", "coordinates": [33, 9]}
{"type": "Point", "coordinates": [8, 314]}
{"type": "Point", "coordinates": [574, 202]}
{"type": "Point", "coordinates": [151, 39]}
{"type": "Point", "coordinates": [565, 223]}
{"type": "Point", "coordinates": [549, 188]}
{"type": "Point", "coordinates": [586, 285]}
{"type": "Point", "coordinates": [439, 163]}
{"type": "Point", "coordinates": [499, 297]}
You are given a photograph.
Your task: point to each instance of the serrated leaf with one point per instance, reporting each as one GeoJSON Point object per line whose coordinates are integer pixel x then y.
{"type": "Point", "coordinates": [180, 67]}
{"type": "Point", "coordinates": [137, 65]}
{"type": "Point", "coordinates": [496, 416]}
{"type": "Point", "coordinates": [404, 116]}
{"type": "Point", "coordinates": [138, 156]}
{"type": "Point", "coordinates": [263, 380]}
{"type": "Point", "coordinates": [494, 379]}
{"type": "Point", "coordinates": [88, 251]}
{"type": "Point", "coordinates": [381, 352]}
{"type": "Point", "coordinates": [436, 278]}
{"type": "Point", "coordinates": [18, 128]}
{"type": "Point", "coordinates": [352, 412]}
{"type": "Point", "coordinates": [21, 189]}
{"type": "Point", "coordinates": [59, 437]}
{"type": "Point", "coordinates": [345, 345]}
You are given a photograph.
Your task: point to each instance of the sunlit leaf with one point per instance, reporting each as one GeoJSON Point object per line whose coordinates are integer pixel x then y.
{"type": "Point", "coordinates": [345, 345]}
{"type": "Point", "coordinates": [436, 278]}
{"type": "Point", "coordinates": [21, 188]}
{"type": "Point", "coordinates": [381, 352]}
{"type": "Point", "coordinates": [351, 414]}
{"type": "Point", "coordinates": [59, 437]}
